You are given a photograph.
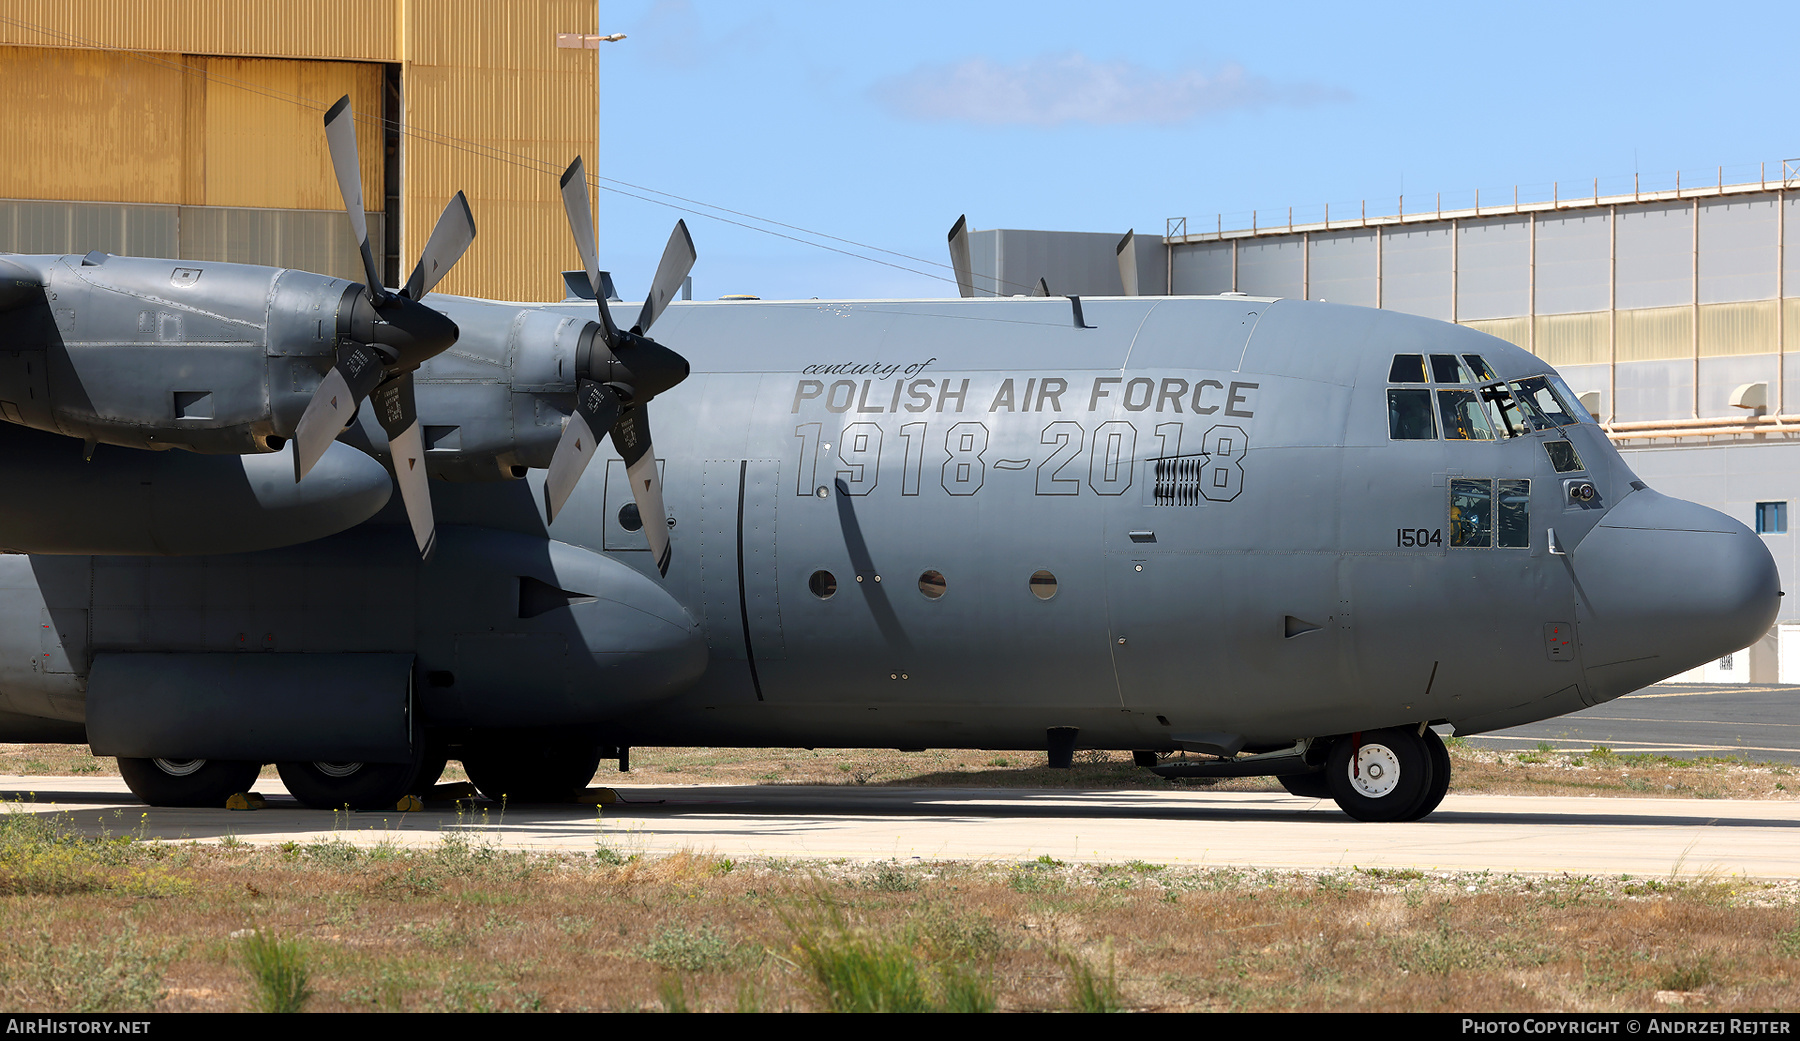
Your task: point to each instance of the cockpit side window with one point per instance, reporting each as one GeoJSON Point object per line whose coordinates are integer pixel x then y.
{"type": "Point", "coordinates": [1537, 392]}
{"type": "Point", "coordinates": [1563, 456]}
{"type": "Point", "coordinates": [1407, 368]}
{"type": "Point", "coordinates": [1571, 402]}
{"type": "Point", "coordinates": [1409, 415]}
{"type": "Point", "coordinates": [1471, 513]}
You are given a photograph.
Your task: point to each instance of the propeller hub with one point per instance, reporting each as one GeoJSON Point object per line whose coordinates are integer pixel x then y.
{"type": "Point", "coordinates": [633, 361]}
{"type": "Point", "coordinates": [406, 329]}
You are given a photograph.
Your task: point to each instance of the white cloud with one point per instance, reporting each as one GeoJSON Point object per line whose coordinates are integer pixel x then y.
{"type": "Point", "coordinates": [1052, 90]}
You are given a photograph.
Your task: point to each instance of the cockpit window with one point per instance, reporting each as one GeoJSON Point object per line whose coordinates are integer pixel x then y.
{"type": "Point", "coordinates": [1571, 401]}
{"type": "Point", "coordinates": [1517, 412]}
{"type": "Point", "coordinates": [1563, 456]}
{"type": "Point", "coordinates": [1479, 367]}
{"type": "Point", "coordinates": [1445, 368]}
{"type": "Point", "coordinates": [1471, 513]}
{"type": "Point", "coordinates": [1409, 415]}
{"type": "Point", "coordinates": [1536, 391]}
{"type": "Point", "coordinates": [1407, 368]}
{"type": "Point", "coordinates": [1463, 417]}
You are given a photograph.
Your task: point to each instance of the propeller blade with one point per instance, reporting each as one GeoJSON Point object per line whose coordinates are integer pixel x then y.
{"type": "Point", "coordinates": [677, 260]}
{"type": "Point", "coordinates": [581, 223]}
{"type": "Point", "coordinates": [581, 219]}
{"type": "Point", "coordinates": [631, 436]}
{"type": "Point", "coordinates": [1127, 253]}
{"type": "Point", "coordinates": [959, 256]}
{"type": "Point", "coordinates": [352, 377]}
{"type": "Point", "coordinates": [449, 241]}
{"type": "Point", "coordinates": [399, 416]}
{"type": "Point", "coordinates": [596, 407]}
{"type": "Point", "coordinates": [340, 136]}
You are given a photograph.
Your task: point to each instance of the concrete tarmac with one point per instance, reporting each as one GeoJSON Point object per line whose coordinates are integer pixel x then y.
{"type": "Point", "coordinates": [1686, 720]}
{"type": "Point", "coordinates": [1657, 838]}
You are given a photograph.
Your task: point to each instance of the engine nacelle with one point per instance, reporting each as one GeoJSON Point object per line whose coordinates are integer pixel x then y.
{"type": "Point", "coordinates": [144, 353]}
{"type": "Point", "coordinates": [494, 405]}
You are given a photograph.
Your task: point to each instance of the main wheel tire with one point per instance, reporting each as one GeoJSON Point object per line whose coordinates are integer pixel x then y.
{"type": "Point", "coordinates": [1306, 786]}
{"type": "Point", "coordinates": [188, 782]}
{"type": "Point", "coordinates": [531, 771]}
{"type": "Point", "coordinates": [1440, 775]}
{"type": "Point", "coordinates": [355, 786]}
{"type": "Point", "coordinates": [1386, 776]}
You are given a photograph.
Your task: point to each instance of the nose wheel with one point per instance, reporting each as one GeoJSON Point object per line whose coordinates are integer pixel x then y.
{"type": "Point", "coordinates": [1388, 775]}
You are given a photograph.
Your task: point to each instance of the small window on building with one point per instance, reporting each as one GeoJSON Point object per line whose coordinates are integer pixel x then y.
{"type": "Point", "coordinates": [1409, 415]}
{"type": "Point", "coordinates": [1407, 368]}
{"type": "Point", "coordinates": [1771, 518]}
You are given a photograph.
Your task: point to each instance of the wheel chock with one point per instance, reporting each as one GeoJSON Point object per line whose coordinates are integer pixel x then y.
{"type": "Point", "coordinates": [598, 797]}
{"type": "Point", "coordinates": [409, 804]}
{"type": "Point", "coordinates": [246, 801]}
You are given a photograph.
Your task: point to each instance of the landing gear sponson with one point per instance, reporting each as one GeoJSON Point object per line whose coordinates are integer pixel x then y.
{"type": "Point", "coordinates": [1395, 774]}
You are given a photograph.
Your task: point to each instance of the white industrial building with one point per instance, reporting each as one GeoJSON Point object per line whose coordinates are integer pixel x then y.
{"type": "Point", "coordinates": [1670, 312]}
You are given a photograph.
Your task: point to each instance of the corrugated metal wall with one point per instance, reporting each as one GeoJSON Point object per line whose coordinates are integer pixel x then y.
{"type": "Point", "coordinates": [209, 103]}
{"type": "Point", "coordinates": [1664, 306]}
{"type": "Point", "coordinates": [499, 111]}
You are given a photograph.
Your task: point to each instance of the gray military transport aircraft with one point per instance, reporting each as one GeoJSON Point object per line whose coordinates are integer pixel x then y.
{"type": "Point", "coordinates": [1284, 538]}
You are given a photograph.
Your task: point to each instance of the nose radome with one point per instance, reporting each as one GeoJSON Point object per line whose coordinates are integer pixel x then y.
{"type": "Point", "coordinates": [1666, 585]}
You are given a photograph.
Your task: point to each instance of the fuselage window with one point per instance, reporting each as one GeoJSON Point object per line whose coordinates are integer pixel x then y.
{"type": "Point", "coordinates": [1471, 513]}
{"type": "Point", "coordinates": [931, 583]}
{"type": "Point", "coordinates": [1407, 368]}
{"type": "Point", "coordinates": [1445, 368]}
{"type": "Point", "coordinates": [823, 584]}
{"type": "Point", "coordinates": [1463, 416]}
{"type": "Point", "coordinates": [1563, 456]}
{"type": "Point", "coordinates": [1409, 415]}
{"type": "Point", "coordinates": [1043, 584]}
{"type": "Point", "coordinates": [1514, 514]}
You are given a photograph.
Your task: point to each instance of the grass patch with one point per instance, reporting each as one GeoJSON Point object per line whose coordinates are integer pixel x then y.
{"type": "Point", "coordinates": [279, 978]}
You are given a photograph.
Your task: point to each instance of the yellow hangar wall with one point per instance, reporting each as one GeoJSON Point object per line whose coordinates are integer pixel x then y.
{"type": "Point", "coordinates": [193, 129]}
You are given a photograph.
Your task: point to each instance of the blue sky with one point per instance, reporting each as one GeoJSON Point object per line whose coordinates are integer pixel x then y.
{"type": "Point", "coordinates": [880, 124]}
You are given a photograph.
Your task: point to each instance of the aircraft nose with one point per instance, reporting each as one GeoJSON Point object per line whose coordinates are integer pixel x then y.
{"type": "Point", "coordinates": [1666, 585]}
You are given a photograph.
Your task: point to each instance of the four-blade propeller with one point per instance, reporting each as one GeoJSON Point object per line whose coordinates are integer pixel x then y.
{"type": "Point", "coordinates": [388, 335]}
{"type": "Point", "coordinates": [617, 372]}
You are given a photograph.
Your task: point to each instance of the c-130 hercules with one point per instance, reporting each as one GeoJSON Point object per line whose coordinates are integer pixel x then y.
{"type": "Point", "coordinates": [1284, 537]}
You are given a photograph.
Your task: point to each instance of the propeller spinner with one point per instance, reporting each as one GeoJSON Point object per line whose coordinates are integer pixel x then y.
{"type": "Point", "coordinates": [387, 336]}
{"type": "Point", "coordinates": [617, 372]}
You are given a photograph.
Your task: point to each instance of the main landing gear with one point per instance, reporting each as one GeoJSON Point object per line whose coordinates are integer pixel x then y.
{"type": "Point", "coordinates": [1396, 774]}
{"type": "Point", "coordinates": [187, 782]}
